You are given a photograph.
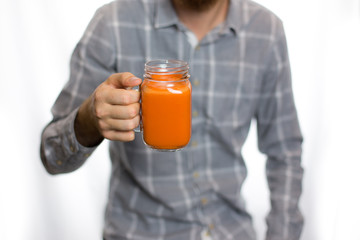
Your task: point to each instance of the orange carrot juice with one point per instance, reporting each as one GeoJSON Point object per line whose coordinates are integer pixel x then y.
{"type": "Point", "coordinates": [166, 111]}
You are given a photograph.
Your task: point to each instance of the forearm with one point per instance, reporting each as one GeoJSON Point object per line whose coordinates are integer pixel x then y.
{"type": "Point", "coordinates": [282, 143]}
{"type": "Point", "coordinates": [60, 151]}
{"type": "Point", "coordinates": [64, 141]}
{"type": "Point", "coordinates": [285, 221]}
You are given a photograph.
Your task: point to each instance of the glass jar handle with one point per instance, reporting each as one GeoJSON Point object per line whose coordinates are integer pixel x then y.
{"type": "Point", "coordinates": [138, 128]}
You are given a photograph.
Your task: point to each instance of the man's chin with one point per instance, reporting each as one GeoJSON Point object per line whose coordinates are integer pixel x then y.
{"type": "Point", "coordinates": [196, 5]}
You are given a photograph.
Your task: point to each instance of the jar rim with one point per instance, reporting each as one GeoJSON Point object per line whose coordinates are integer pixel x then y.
{"type": "Point", "coordinates": [166, 66]}
{"type": "Point", "coordinates": [166, 81]}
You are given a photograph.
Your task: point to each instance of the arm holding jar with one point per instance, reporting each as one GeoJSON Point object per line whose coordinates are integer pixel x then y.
{"type": "Point", "coordinates": [96, 103]}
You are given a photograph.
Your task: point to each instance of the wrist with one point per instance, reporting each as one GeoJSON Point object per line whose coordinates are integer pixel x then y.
{"type": "Point", "coordinates": [85, 129]}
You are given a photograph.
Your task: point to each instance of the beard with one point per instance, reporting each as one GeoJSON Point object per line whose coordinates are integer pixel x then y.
{"type": "Point", "coordinates": [196, 5]}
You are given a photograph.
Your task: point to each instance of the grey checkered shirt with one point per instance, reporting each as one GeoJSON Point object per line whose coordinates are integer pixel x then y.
{"type": "Point", "coordinates": [239, 72]}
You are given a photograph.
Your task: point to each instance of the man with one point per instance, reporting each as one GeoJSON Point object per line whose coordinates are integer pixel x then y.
{"type": "Point", "coordinates": [239, 71]}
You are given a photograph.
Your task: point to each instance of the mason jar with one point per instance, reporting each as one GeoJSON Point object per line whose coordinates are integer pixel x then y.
{"type": "Point", "coordinates": [166, 105]}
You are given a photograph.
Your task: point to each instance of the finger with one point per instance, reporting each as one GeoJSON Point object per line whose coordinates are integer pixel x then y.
{"type": "Point", "coordinates": [119, 111]}
{"type": "Point", "coordinates": [122, 97]}
{"type": "Point", "coordinates": [123, 80]}
{"type": "Point", "coordinates": [119, 124]}
{"type": "Point", "coordinates": [123, 136]}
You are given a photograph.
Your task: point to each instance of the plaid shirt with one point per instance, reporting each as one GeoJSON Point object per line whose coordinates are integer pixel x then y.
{"type": "Point", "coordinates": [239, 72]}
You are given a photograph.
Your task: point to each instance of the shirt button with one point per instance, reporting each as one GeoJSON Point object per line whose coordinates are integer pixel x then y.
{"type": "Point", "coordinates": [197, 48]}
{"type": "Point", "coordinates": [196, 82]}
{"type": "Point", "coordinates": [196, 175]}
{"type": "Point", "coordinates": [206, 235]}
{"type": "Point", "coordinates": [87, 155]}
{"type": "Point", "coordinates": [59, 162]}
{"type": "Point", "coordinates": [195, 113]}
{"type": "Point", "coordinates": [211, 226]}
{"type": "Point", "coordinates": [204, 201]}
{"type": "Point", "coordinates": [194, 144]}
{"type": "Point", "coordinates": [72, 149]}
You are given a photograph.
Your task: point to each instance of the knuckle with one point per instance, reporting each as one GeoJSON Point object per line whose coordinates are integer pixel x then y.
{"type": "Point", "coordinates": [133, 112]}
{"type": "Point", "coordinates": [102, 125]}
{"type": "Point", "coordinates": [119, 136]}
{"type": "Point", "coordinates": [112, 77]}
{"type": "Point", "coordinates": [129, 136]}
{"type": "Point", "coordinates": [97, 96]}
{"type": "Point", "coordinates": [125, 99]}
{"type": "Point", "coordinates": [134, 124]}
{"type": "Point", "coordinates": [99, 112]}
{"type": "Point", "coordinates": [137, 106]}
{"type": "Point", "coordinates": [106, 135]}
{"type": "Point", "coordinates": [125, 75]}
{"type": "Point", "coordinates": [136, 121]}
{"type": "Point", "coordinates": [137, 96]}
{"type": "Point", "coordinates": [128, 125]}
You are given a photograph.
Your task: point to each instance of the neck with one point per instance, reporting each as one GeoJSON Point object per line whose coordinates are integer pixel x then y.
{"type": "Point", "coordinates": [201, 22]}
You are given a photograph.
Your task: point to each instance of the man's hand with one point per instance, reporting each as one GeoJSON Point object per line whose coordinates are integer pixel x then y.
{"type": "Point", "coordinates": [112, 111]}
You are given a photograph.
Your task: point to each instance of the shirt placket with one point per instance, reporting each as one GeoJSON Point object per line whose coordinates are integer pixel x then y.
{"type": "Point", "coordinates": [199, 73]}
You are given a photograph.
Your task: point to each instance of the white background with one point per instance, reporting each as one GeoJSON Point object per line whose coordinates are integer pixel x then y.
{"type": "Point", "coordinates": [36, 41]}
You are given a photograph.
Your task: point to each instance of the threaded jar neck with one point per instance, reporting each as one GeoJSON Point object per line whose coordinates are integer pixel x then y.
{"type": "Point", "coordinates": [165, 67]}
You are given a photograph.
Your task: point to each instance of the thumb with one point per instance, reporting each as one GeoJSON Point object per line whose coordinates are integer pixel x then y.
{"type": "Point", "coordinates": [124, 80]}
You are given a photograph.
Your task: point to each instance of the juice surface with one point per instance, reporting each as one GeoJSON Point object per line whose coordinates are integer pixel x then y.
{"type": "Point", "coordinates": [166, 112]}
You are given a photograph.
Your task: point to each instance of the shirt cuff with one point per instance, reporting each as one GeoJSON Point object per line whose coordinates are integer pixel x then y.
{"type": "Point", "coordinates": [61, 151]}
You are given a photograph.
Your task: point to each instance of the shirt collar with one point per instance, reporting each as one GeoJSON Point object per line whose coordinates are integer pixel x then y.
{"type": "Point", "coordinates": [165, 15]}
{"type": "Point", "coordinates": [234, 20]}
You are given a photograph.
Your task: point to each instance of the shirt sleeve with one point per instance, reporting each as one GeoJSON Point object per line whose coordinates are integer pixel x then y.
{"type": "Point", "coordinates": [280, 138]}
{"type": "Point", "coordinates": [92, 62]}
